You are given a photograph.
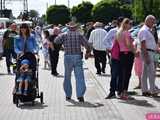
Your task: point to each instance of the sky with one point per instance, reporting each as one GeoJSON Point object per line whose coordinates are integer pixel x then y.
{"type": "Point", "coordinates": [41, 5]}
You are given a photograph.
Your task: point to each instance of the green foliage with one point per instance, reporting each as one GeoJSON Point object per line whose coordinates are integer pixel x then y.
{"type": "Point", "coordinates": [58, 14]}
{"type": "Point", "coordinates": [107, 10]}
{"type": "Point", "coordinates": [83, 12]}
{"type": "Point", "coordinates": [142, 8]}
{"type": "Point", "coordinates": [104, 11]}
{"type": "Point", "coordinates": [33, 13]}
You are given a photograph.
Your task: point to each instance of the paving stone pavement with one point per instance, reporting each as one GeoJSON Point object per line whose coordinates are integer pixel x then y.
{"type": "Point", "coordinates": [55, 106]}
{"type": "Point", "coordinates": [132, 109]}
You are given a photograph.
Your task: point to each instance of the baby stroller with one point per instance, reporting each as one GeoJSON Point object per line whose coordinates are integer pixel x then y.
{"type": "Point", "coordinates": [33, 87]}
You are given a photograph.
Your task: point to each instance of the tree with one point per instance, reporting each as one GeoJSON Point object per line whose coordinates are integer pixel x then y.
{"type": "Point", "coordinates": [126, 10]}
{"type": "Point", "coordinates": [141, 8]}
{"type": "Point", "coordinates": [33, 13]}
{"type": "Point", "coordinates": [58, 14]}
{"type": "Point", "coordinates": [107, 10]}
{"type": "Point", "coordinates": [83, 12]}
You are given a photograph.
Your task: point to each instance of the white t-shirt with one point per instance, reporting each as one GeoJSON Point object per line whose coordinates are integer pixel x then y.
{"type": "Point", "coordinates": [146, 35]}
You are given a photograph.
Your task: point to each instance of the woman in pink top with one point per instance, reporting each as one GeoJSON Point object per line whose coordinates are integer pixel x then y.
{"type": "Point", "coordinates": [127, 51]}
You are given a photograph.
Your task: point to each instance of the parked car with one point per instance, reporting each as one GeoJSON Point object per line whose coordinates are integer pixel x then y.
{"type": "Point", "coordinates": [3, 23]}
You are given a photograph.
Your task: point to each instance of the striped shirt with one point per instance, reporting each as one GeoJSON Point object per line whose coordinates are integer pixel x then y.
{"type": "Point", "coordinates": [96, 39]}
{"type": "Point", "coordinates": [72, 42]}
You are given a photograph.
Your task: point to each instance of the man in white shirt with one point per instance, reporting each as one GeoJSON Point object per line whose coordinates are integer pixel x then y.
{"type": "Point", "coordinates": [99, 51]}
{"type": "Point", "coordinates": [148, 47]}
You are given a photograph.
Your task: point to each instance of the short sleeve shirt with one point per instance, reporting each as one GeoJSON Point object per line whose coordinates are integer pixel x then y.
{"type": "Point", "coordinates": [146, 35]}
{"type": "Point", "coordinates": [122, 43]}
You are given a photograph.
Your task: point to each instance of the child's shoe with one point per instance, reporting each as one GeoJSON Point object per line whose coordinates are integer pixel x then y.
{"type": "Point", "coordinates": [25, 92]}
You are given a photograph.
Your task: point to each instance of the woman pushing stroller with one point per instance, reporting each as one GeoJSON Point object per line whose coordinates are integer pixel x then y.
{"type": "Point", "coordinates": [26, 87]}
{"type": "Point", "coordinates": [23, 44]}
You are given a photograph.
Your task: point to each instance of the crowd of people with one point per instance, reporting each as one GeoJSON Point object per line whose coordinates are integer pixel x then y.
{"type": "Point", "coordinates": [114, 42]}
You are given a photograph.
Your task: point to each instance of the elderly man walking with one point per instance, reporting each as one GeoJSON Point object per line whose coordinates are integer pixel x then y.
{"type": "Point", "coordinates": [99, 50]}
{"type": "Point", "coordinates": [149, 47]}
{"type": "Point", "coordinates": [72, 42]}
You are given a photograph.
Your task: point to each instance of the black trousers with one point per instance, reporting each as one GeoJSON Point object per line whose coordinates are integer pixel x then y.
{"type": "Point", "coordinates": [54, 56]}
{"type": "Point", "coordinates": [126, 64]}
{"type": "Point", "coordinates": [9, 54]}
{"type": "Point", "coordinates": [100, 58]}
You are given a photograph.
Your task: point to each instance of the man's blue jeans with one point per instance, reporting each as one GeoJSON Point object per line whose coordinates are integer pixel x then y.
{"type": "Point", "coordinates": [74, 62]}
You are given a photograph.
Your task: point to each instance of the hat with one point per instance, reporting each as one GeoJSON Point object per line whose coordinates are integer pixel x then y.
{"type": "Point", "coordinates": [72, 24]}
{"type": "Point", "coordinates": [98, 24]}
{"type": "Point", "coordinates": [25, 61]}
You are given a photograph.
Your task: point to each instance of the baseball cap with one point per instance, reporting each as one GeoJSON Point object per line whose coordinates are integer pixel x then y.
{"type": "Point", "coordinates": [25, 61]}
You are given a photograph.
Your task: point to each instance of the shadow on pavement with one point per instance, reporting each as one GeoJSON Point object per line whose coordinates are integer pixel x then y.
{"type": "Point", "coordinates": [59, 76]}
{"type": "Point", "coordinates": [3, 74]}
{"type": "Point", "coordinates": [12, 74]}
{"type": "Point", "coordinates": [85, 68]}
{"type": "Point", "coordinates": [157, 98]}
{"type": "Point", "coordinates": [105, 75]}
{"type": "Point", "coordinates": [158, 70]}
{"type": "Point", "coordinates": [29, 106]}
{"type": "Point", "coordinates": [46, 69]}
{"type": "Point", "coordinates": [132, 93]}
{"type": "Point", "coordinates": [85, 104]}
{"type": "Point", "coordinates": [157, 75]}
{"type": "Point", "coordinates": [143, 103]}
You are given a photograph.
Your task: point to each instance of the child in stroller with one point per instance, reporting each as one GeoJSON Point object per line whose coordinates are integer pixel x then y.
{"type": "Point", "coordinates": [25, 76]}
{"type": "Point", "coordinates": [26, 87]}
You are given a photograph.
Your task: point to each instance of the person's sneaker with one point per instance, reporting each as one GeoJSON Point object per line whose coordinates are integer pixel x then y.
{"type": "Point", "coordinates": [137, 87]}
{"type": "Point", "coordinates": [119, 94]}
{"type": "Point", "coordinates": [103, 71]}
{"type": "Point", "coordinates": [9, 72]}
{"type": "Point", "coordinates": [110, 96]}
{"type": "Point", "coordinates": [81, 99]}
{"type": "Point", "coordinates": [98, 73]}
{"type": "Point", "coordinates": [25, 92]}
{"type": "Point", "coordinates": [55, 74]}
{"type": "Point", "coordinates": [68, 98]}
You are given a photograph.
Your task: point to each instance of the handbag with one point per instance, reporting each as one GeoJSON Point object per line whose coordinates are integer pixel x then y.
{"type": "Point", "coordinates": [115, 51]}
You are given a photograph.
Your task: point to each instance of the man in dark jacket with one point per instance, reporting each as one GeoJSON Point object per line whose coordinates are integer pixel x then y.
{"type": "Point", "coordinates": [54, 52]}
{"type": "Point", "coordinates": [8, 45]}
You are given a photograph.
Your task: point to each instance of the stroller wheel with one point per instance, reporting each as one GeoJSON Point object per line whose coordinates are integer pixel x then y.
{"type": "Point", "coordinates": [33, 103]}
{"type": "Point", "coordinates": [41, 97]}
{"type": "Point", "coordinates": [16, 101]}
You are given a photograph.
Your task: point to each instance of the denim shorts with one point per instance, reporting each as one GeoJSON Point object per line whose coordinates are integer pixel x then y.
{"type": "Point", "coordinates": [24, 78]}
